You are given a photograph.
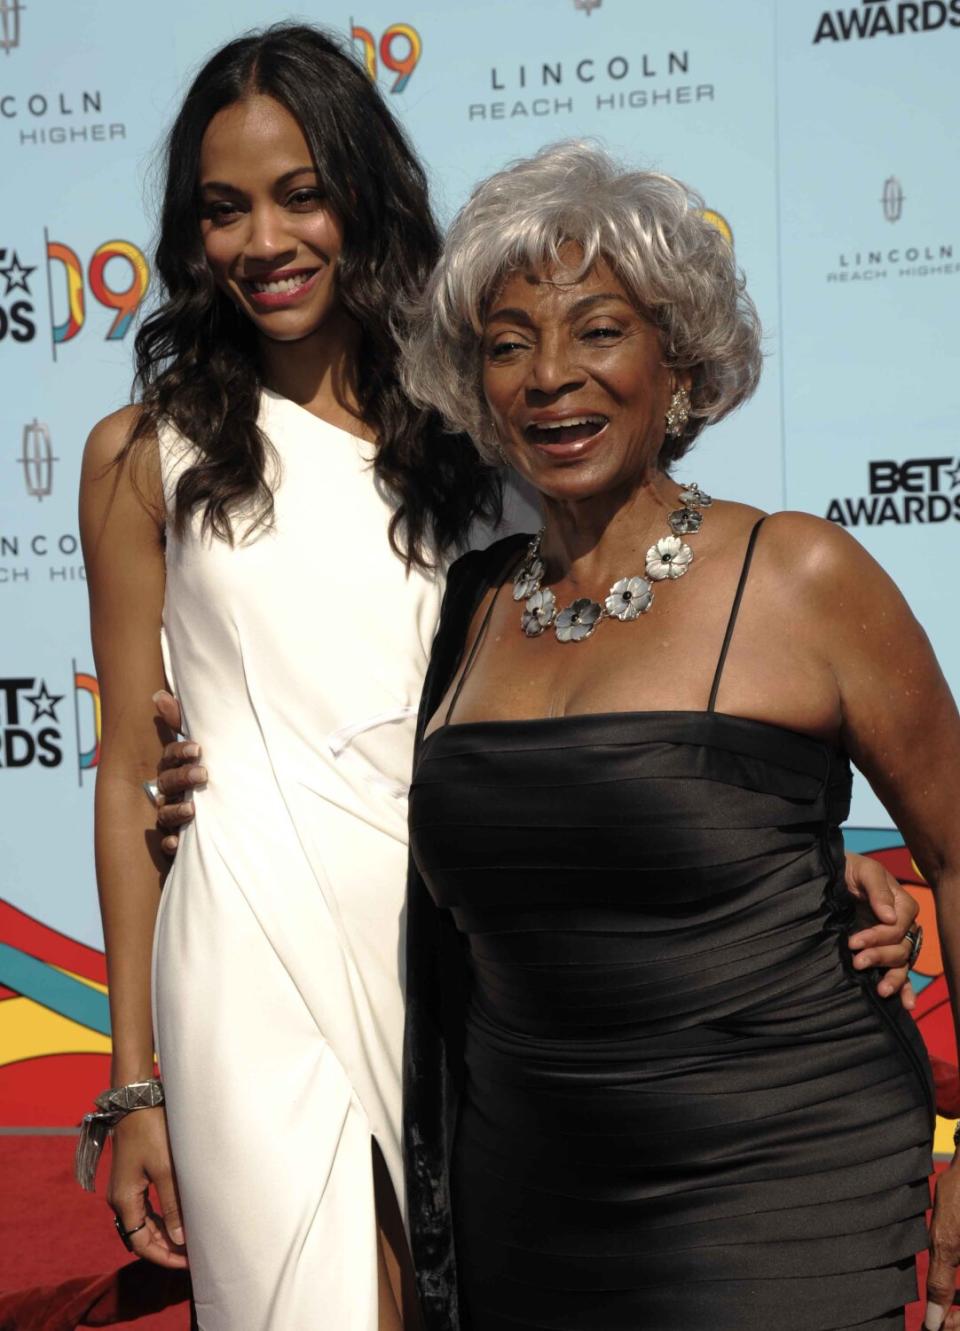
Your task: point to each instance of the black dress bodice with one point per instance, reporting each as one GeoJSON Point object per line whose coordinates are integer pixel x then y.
{"type": "Point", "coordinates": [636, 868]}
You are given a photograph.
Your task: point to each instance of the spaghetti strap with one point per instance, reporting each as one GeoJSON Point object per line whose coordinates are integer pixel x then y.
{"type": "Point", "coordinates": [734, 611]}
{"type": "Point", "coordinates": [475, 645]}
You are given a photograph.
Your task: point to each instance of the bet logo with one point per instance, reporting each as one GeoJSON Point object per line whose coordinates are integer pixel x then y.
{"type": "Point", "coordinates": [29, 725]}
{"type": "Point", "coordinates": [17, 318]}
{"type": "Point", "coordinates": [915, 476]}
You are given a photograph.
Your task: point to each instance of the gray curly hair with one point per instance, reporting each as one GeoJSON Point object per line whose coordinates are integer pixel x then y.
{"type": "Point", "coordinates": [649, 228]}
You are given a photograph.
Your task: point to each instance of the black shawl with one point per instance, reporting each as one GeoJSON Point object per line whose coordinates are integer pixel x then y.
{"type": "Point", "coordinates": [436, 984]}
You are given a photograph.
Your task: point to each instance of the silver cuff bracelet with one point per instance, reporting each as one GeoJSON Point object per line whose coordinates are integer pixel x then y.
{"type": "Point", "coordinates": [111, 1106]}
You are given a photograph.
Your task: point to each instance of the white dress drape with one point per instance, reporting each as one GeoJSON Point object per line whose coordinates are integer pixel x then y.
{"type": "Point", "coordinates": [298, 656]}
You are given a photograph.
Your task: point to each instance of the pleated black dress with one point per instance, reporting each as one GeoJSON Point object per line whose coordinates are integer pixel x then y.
{"type": "Point", "coordinates": [645, 1090]}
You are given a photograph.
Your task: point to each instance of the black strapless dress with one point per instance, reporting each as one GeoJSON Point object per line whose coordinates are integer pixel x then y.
{"type": "Point", "coordinates": [678, 1105]}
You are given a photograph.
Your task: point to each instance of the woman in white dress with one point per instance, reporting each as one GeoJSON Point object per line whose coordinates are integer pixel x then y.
{"type": "Point", "coordinates": [238, 526]}
{"type": "Point", "coordinates": [260, 532]}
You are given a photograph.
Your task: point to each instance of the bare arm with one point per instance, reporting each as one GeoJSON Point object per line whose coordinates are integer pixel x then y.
{"type": "Point", "coordinates": [121, 526]}
{"type": "Point", "coordinates": [901, 726]}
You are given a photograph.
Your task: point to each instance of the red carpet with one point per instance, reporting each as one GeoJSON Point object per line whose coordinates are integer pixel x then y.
{"type": "Point", "coordinates": [51, 1232]}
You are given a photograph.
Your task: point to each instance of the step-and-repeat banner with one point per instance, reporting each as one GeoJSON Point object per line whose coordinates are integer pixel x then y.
{"type": "Point", "coordinates": [820, 136]}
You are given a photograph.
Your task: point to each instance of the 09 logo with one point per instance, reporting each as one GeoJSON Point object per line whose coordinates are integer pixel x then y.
{"type": "Point", "coordinates": [122, 298]}
{"type": "Point", "coordinates": [401, 62]}
{"type": "Point", "coordinates": [117, 276]}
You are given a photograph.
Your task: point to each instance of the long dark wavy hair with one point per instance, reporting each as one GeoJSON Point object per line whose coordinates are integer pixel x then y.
{"type": "Point", "coordinates": [196, 355]}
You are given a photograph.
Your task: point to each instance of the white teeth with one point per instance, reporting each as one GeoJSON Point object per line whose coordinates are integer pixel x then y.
{"type": "Point", "coordinates": [565, 424]}
{"type": "Point", "coordinates": [285, 284]}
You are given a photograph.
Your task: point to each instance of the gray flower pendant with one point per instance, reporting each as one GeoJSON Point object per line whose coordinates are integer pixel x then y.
{"type": "Point", "coordinates": [692, 495]}
{"type": "Point", "coordinates": [629, 597]}
{"type": "Point", "coordinates": [539, 612]}
{"type": "Point", "coordinates": [685, 521]}
{"type": "Point", "coordinates": [578, 620]}
{"type": "Point", "coordinates": [528, 579]}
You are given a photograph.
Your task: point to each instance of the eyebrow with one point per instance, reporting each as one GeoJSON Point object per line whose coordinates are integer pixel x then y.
{"type": "Point", "coordinates": [509, 314]}
{"type": "Point", "coordinates": [287, 176]}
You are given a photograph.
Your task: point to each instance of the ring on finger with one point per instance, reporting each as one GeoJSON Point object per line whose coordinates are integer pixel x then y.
{"type": "Point", "coordinates": [915, 938]}
{"type": "Point", "coordinates": [125, 1234]}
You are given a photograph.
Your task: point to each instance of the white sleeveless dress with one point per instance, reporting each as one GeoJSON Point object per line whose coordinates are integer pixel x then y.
{"type": "Point", "coordinates": [298, 658]}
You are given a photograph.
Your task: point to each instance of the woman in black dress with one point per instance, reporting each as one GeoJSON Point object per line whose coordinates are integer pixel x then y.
{"type": "Point", "coordinates": [645, 1088]}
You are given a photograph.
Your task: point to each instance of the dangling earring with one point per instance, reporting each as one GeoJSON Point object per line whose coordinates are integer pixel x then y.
{"type": "Point", "coordinates": [678, 413]}
{"type": "Point", "coordinates": [501, 456]}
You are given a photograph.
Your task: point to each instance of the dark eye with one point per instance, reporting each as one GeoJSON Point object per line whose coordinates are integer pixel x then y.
{"type": "Point", "coordinates": [598, 333]}
{"type": "Point", "coordinates": [504, 347]}
{"type": "Point", "coordinates": [304, 199]}
{"type": "Point", "coordinates": [220, 212]}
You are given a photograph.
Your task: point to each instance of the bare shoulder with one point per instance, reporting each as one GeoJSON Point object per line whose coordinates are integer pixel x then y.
{"type": "Point", "coordinates": [109, 437]}
{"type": "Point", "coordinates": [811, 548]}
{"type": "Point", "coordinates": [828, 573]}
{"type": "Point", "coordinates": [117, 461]}
{"type": "Point", "coordinates": [799, 544]}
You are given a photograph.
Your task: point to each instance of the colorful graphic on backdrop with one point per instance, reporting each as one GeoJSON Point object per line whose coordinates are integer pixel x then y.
{"type": "Point", "coordinates": [68, 293]}
{"type": "Point", "coordinates": [932, 1013]}
{"type": "Point", "coordinates": [54, 1024]}
{"type": "Point", "coordinates": [401, 64]}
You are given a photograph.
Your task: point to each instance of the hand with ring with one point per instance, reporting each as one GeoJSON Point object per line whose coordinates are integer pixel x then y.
{"type": "Point", "coordinates": [887, 936]}
{"type": "Point", "coordinates": [914, 937]}
{"type": "Point", "coordinates": [141, 1161]}
{"type": "Point", "coordinates": [127, 1234]}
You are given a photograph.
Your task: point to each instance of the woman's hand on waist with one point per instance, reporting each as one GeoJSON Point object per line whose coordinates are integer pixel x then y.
{"type": "Point", "coordinates": [885, 911]}
{"type": "Point", "coordinates": [178, 775]}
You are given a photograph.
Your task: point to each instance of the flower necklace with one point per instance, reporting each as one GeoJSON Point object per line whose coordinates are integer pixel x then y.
{"type": "Point", "coordinates": [667, 559]}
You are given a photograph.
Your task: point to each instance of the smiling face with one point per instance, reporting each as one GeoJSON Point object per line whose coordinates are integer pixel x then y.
{"type": "Point", "coordinates": [575, 383]}
{"type": "Point", "coordinates": [271, 241]}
